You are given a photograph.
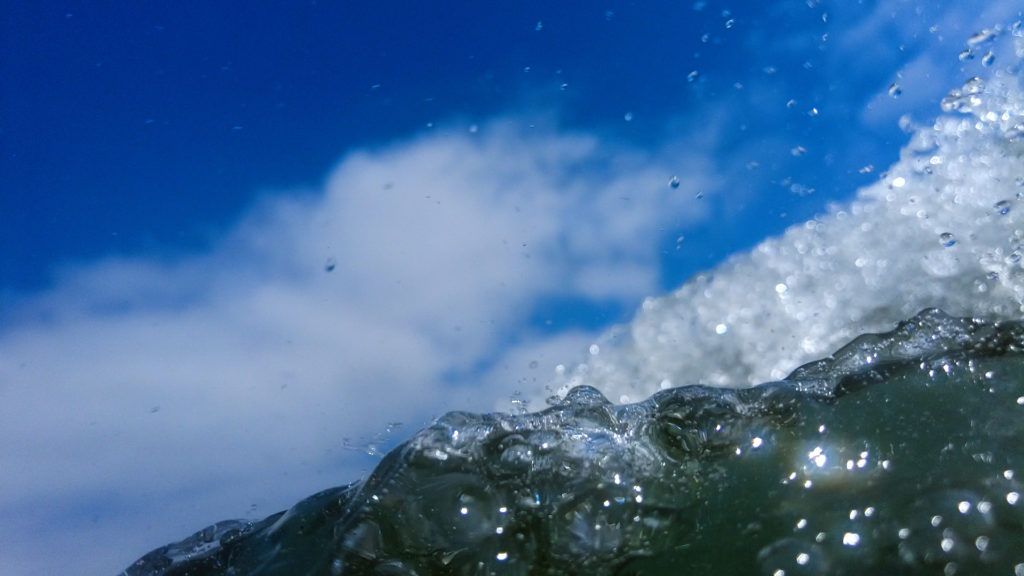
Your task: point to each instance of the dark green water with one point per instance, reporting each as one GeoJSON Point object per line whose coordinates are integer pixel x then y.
{"type": "Point", "coordinates": [900, 454]}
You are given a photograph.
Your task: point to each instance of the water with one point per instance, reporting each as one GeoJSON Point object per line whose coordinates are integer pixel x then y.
{"type": "Point", "coordinates": [898, 452]}
{"type": "Point", "coordinates": [941, 228]}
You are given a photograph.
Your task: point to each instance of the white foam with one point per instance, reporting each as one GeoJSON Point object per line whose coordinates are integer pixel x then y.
{"type": "Point", "coordinates": [944, 227]}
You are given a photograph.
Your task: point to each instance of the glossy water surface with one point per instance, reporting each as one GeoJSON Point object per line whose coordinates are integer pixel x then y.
{"type": "Point", "coordinates": [901, 453]}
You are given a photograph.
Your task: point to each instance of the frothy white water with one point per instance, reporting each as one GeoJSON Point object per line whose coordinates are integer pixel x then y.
{"type": "Point", "coordinates": [944, 227]}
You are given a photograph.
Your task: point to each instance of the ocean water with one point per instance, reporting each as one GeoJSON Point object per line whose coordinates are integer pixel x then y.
{"type": "Point", "coordinates": [901, 453]}
{"type": "Point", "coordinates": [884, 434]}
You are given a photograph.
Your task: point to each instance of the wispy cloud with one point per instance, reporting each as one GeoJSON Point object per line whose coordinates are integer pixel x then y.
{"type": "Point", "coordinates": [143, 397]}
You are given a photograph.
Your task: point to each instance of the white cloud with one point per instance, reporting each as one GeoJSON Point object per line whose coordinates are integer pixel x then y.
{"type": "Point", "coordinates": [145, 397]}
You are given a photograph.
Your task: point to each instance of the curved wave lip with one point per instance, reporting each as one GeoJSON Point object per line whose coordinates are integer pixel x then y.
{"type": "Point", "coordinates": [901, 453]}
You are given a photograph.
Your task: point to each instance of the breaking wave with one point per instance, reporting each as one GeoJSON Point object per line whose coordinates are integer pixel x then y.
{"type": "Point", "coordinates": [900, 453]}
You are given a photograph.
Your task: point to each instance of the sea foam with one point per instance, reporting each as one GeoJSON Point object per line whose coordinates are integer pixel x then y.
{"type": "Point", "coordinates": [942, 227]}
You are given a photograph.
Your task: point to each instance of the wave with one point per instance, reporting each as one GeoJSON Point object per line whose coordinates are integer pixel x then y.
{"type": "Point", "coordinates": [899, 453]}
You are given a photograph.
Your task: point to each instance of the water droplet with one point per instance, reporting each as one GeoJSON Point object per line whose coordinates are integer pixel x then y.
{"type": "Point", "coordinates": [981, 36]}
{"type": "Point", "coordinates": [674, 182]}
{"type": "Point", "coordinates": [966, 55]}
{"type": "Point", "coordinates": [798, 151]}
{"type": "Point", "coordinates": [691, 76]}
{"type": "Point", "coordinates": [988, 59]}
{"type": "Point", "coordinates": [539, 26]}
{"type": "Point", "coordinates": [964, 99]}
{"type": "Point", "coordinates": [730, 23]}
{"type": "Point", "coordinates": [564, 87]}
{"type": "Point", "coordinates": [947, 239]}
{"type": "Point", "coordinates": [533, 365]}
{"type": "Point", "coordinates": [895, 90]}
{"type": "Point", "coordinates": [595, 349]}
{"type": "Point", "coordinates": [628, 117]}
{"type": "Point", "coordinates": [330, 265]}
{"type": "Point", "coordinates": [721, 329]}
{"type": "Point", "coordinates": [1002, 207]}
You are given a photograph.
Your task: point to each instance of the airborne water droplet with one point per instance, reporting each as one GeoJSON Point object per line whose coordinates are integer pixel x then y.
{"type": "Point", "coordinates": [981, 37]}
{"type": "Point", "coordinates": [674, 182]}
{"type": "Point", "coordinates": [947, 239]}
{"type": "Point", "coordinates": [895, 91]}
{"type": "Point", "coordinates": [1002, 207]}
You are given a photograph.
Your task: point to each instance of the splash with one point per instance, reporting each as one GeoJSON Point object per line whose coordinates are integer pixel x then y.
{"type": "Point", "coordinates": [900, 453]}
{"type": "Point", "coordinates": [944, 227]}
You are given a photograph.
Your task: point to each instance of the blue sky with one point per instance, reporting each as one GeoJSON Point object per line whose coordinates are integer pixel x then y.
{"type": "Point", "coordinates": [238, 241]}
